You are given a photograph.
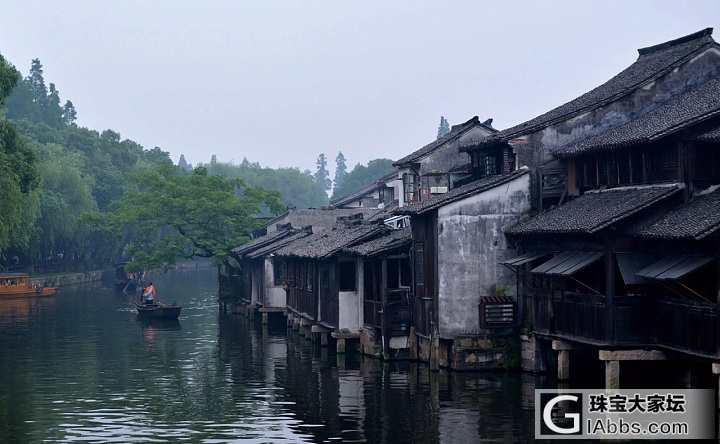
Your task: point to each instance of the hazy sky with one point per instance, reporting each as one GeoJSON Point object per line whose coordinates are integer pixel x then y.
{"type": "Point", "coordinates": [280, 82]}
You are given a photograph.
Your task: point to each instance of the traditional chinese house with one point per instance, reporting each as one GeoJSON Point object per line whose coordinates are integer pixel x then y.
{"type": "Point", "coordinates": [325, 285]}
{"type": "Point", "coordinates": [375, 195]}
{"type": "Point", "coordinates": [387, 294]}
{"type": "Point", "coordinates": [625, 262]}
{"type": "Point", "coordinates": [458, 242]}
{"type": "Point", "coordinates": [435, 168]}
{"type": "Point", "coordinates": [255, 280]}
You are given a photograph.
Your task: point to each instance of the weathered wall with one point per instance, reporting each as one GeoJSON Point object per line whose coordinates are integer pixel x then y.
{"type": "Point", "coordinates": [449, 156]}
{"type": "Point", "coordinates": [274, 295]}
{"type": "Point", "coordinates": [63, 280]}
{"type": "Point", "coordinates": [536, 148]}
{"type": "Point", "coordinates": [471, 244]}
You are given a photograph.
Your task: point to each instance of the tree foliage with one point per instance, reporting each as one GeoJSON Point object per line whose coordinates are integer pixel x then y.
{"type": "Point", "coordinates": [18, 174]}
{"type": "Point", "coordinates": [37, 102]}
{"type": "Point", "coordinates": [171, 216]}
{"type": "Point", "coordinates": [65, 193]}
{"type": "Point", "coordinates": [443, 128]}
{"type": "Point", "coordinates": [297, 188]}
{"type": "Point", "coordinates": [82, 170]}
{"type": "Point", "coordinates": [362, 176]}
{"type": "Point", "coordinates": [340, 170]}
{"type": "Point", "coordinates": [322, 176]}
{"type": "Point", "coordinates": [182, 163]}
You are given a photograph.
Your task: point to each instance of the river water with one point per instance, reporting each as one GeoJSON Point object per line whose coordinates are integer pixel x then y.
{"type": "Point", "coordinates": [81, 367]}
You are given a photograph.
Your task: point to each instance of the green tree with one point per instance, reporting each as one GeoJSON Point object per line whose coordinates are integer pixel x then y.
{"type": "Point", "coordinates": [362, 176]}
{"type": "Point", "coordinates": [182, 163]}
{"type": "Point", "coordinates": [53, 112]}
{"type": "Point", "coordinates": [170, 216]}
{"type": "Point", "coordinates": [340, 170]}
{"type": "Point", "coordinates": [444, 127]}
{"type": "Point", "coordinates": [33, 101]}
{"type": "Point", "coordinates": [21, 103]}
{"type": "Point", "coordinates": [297, 188]}
{"type": "Point", "coordinates": [322, 176]}
{"type": "Point", "coordinates": [69, 115]}
{"type": "Point", "coordinates": [18, 174]}
{"type": "Point", "coordinates": [65, 193]}
{"type": "Point", "coordinates": [37, 83]}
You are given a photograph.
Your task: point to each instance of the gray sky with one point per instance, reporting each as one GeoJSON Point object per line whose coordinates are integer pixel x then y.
{"type": "Point", "coordinates": [280, 82]}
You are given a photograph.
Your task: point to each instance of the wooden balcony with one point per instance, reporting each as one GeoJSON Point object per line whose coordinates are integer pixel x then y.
{"type": "Point", "coordinates": [638, 321]}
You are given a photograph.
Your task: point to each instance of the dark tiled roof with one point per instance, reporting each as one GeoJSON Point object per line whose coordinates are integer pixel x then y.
{"type": "Point", "coordinates": [329, 242]}
{"type": "Point", "coordinates": [274, 221]}
{"type": "Point", "coordinates": [363, 191]}
{"type": "Point", "coordinates": [460, 169]}
{"type": "Point", "coordinates": [454, 134]}
{"type": "Point", "coordinates": [386, 212]}
{"type": "Point", "coordinates": [698, 104]}
{"type": "Point", "coordinates": [595, 210]}
{"type": "Point", "coordinates": [263, 240]}
{"type": "Point", "coordinates": [460, 193]}
{"type": "Point", "coordinates": [390, 241]}
{"type": "Point", "coordinates": [707, 136]}
{"type": "Point", "coordinates": [279, 243]}
{"type": "Point", "coordinates": [694, 219]}
{"type": "Point", "coordinates": [652, 63]}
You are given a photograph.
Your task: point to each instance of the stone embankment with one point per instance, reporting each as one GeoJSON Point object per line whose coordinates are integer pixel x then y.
{"type": "Point", "coordinates": [63, 280]}
{"type": "Point", "coordinates": [84, 277]}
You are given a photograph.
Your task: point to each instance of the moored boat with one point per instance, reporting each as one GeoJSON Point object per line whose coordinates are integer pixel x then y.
{"type": "Point", "coordinates": [158, 310]}
{"type": "Point", "coordinates": [17, 285]}
{"type": "Point", "coordinates": [126, 281]}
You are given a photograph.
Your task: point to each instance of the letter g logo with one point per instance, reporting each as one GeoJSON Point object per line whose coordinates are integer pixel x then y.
{"type": "Point", "coordinates": [547, 416]}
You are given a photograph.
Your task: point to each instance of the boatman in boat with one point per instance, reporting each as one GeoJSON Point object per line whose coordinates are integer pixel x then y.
{"type": "Point", "coordinates": [149, 294]}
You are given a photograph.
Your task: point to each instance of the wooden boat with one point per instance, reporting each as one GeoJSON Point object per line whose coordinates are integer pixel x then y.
{"type": "Point", "coordinates": [17, 285]}
{"type": "Point", "coordinates": [125, 281]}
{"type": "Point", "coordinates": [159, 310]}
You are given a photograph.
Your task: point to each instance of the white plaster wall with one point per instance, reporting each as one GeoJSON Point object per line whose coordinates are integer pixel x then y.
{"type": "Point", "coordinates": [351, 315]}
{"type": "Point", "coordinates": [471, 244]}
{"type": "Point", "coordinates": [274, 295]}
{"type": "Point", "coordinates": [399, 190]}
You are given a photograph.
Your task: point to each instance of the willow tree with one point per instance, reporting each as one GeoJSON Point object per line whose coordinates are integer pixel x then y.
{"type": "Point", "coordinates": [18, 174]}
{"type": "Point", "coordinates": [171, 216]}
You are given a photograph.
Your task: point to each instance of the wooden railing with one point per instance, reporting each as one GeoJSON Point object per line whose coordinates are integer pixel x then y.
{"type": "Point", "coordinates": [372, 313]}
{"type": "Point", "coordinates": [398, 312]}
{"type": "Point", "coordinates": [302, 301]}
{"type": "Point", "coordinates": [687, 326]}
{"type": "Point", "coordinates": [639, 321]}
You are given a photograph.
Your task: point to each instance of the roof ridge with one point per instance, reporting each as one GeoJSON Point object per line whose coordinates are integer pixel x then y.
{"type": "Point", "coordinates": [688, 38]}
{"type": "Point", "coordinates": [640, 73]}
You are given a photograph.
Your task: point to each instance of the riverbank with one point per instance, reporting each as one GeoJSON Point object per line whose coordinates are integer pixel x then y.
{"type": "Point", "coordinates": [85, 277]}
{"type": "Point", "coordinates": [66, 279]}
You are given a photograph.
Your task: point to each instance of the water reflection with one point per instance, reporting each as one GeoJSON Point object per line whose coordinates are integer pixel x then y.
{"type": "Point", "coordinates": [82, 366]}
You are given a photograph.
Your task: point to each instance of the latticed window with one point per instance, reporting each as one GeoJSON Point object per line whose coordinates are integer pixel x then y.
{"type": "Point", "coordinates": [486, 164]}
{"type": "Point", "coordinates": [410, 187]}
{"type": "Point", "coordinates": [279, 271]}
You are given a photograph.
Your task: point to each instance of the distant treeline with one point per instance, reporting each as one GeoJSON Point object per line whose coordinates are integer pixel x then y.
{"type": "Point", "coordinates": [52, 171]}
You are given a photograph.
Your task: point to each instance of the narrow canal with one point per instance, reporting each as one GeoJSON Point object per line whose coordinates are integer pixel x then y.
{"type": "Point", "coordinates": [82, 367]}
